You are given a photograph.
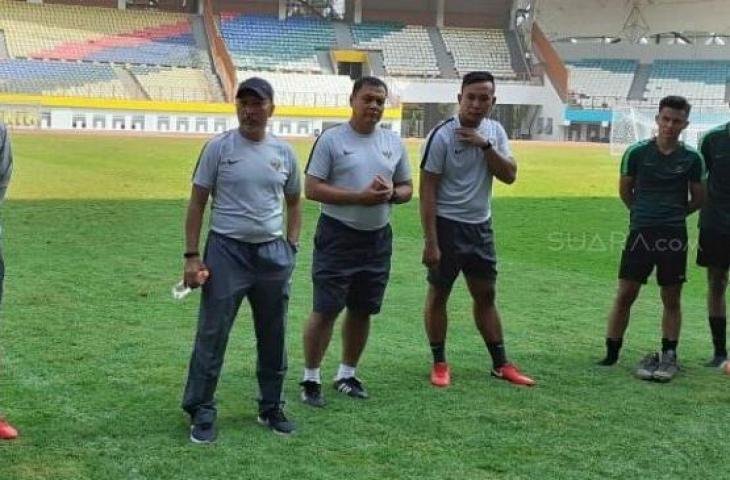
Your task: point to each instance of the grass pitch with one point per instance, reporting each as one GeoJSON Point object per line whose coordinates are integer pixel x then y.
{"type": "Point", "coordinates": [95, 350]}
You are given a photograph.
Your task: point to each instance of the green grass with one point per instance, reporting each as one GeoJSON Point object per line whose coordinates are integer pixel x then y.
{"type": "Point", "coordinates": [95, 350]}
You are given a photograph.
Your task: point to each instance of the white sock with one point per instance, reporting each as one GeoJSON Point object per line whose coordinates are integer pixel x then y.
{"type": "Point", "coordinates": [345, 371]}
{"type": "Point", "coordinates": [312, 375]}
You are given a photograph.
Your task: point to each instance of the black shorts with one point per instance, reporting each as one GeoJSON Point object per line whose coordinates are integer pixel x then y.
{"type": "Point", "coordinates": [467, 247]}
{"type": "Point", "coordinates": [350, 268]}
{"type": "Point", "coordinates": [664, 248]}
{"type": "Point", "coordinates": [713, 249]}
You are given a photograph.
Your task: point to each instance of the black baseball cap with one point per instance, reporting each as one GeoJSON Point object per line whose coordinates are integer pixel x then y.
{"type": "Point", "coordinates": [257, 85]}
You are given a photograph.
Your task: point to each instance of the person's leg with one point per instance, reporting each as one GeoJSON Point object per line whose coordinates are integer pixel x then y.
{"type": "Point", "coordinates": [331, 282]}
{"type": "Point", "coordinates": [269, 300]}
{"type": "Point", "coordinates": [713, 254]}
{"type": "Point", "coordinates": [671, 275]}
{"type": "Point", "coordinates": [219, 303]}
{"type": "Point", "coordinates": [364, 299]}
{"type": "Point", "coordinates": [435, 320]}
{"type": "Point", "coordinates": [637, 262]}
{"type": "Point", "coordinates": [672, 316]}
{"type": "Point", "coordinates": [717, 279]}
{"type": "Point", "coordinates": [317, 336]}
{"type": "Point", "coordinates": [7, 432]}
{"type": "Point", "coordinates": [215, 320]}
{"type": "Point", "coordinates": [355, 332]}
{"type": "Point", "coordinates": [671, 325]}
{"type": "Point", "coordinates": [488, 322]}
{"type": "Point", "coordinates": [618, 318]}
{"type": "Point", "coordinates": [484, 310]}
{"type": "Point", "coordinates": [440, 281]}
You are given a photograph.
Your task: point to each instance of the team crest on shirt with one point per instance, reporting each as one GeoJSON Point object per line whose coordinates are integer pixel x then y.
{"type": "Point", "coordinates": [277, 164]}
{"type": "Point", "coordinates": [387, 154]}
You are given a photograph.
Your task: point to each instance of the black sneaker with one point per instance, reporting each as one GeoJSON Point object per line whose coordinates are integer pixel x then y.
{"type": "Point", "coordinates": [312, 394]}
{"type": "Point", "coordinates": [276, 421]}
{"type": "Point", "coordinates": [351, 387]}
{"type": "Point", "coordinates": [202, 433]}
{"type": "Point", "coordinates": [716, 361]}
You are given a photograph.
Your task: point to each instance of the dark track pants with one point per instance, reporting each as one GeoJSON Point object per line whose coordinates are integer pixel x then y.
{"type": "Point", "coordinates": [261, 272]}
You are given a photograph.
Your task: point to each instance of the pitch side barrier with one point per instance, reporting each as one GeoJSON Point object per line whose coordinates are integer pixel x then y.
{"type": "Point", "coordinates": [103, 114]}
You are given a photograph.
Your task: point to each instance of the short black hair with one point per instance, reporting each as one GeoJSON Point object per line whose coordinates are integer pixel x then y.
{"type": "Point", "coordinates": [476, 77]}
{"type": "Point", "coordinates": [370, 81]}
{"type": "Point", "coordinates": [675, 102]}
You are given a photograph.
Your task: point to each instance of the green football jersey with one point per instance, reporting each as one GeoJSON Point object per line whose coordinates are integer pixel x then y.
{"type": "Point", "coordinates": [661, 183]}
{"type": "Point", "coordinates": [715, 148]}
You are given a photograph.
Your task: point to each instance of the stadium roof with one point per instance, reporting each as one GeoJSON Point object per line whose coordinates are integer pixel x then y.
{"type": "Point", "coordinates": [563, 18]}
{"type": "Point", "coordinates": [460, 6]}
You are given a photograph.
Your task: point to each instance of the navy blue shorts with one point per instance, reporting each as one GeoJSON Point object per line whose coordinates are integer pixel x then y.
{"type": "Point", "coordinates": [664, 248]}
{"type": "Point", "coordinates": [465, 247]}
{"type": "Point", "coordinates": [350, 268]}
{"type": "Point", "coordinates": [714, 249]}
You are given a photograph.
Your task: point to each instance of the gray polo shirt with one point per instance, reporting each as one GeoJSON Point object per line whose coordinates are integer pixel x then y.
{"type": "Point", "coordinates": [350, 160]}
{"type": "Point", "coordinates": [6, 161]}
{"type": "Point", "coordinates": [248, 181]}
{"type": "Point", "coordinates": [465, 190]}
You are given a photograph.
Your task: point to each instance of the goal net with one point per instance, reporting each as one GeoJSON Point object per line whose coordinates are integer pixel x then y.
{"type": "Point", "coordinates": [632, 124]}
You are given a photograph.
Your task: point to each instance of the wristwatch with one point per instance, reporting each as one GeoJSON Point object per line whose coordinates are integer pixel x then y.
{"type": "Point", "coordinates": [487, 146]}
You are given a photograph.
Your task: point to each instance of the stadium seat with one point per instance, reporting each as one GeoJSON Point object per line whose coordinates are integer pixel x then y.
{"type": "Point", "coordinates": [478, 49]}
{"type": "Point", "coordinates": [407, 49]}
{"type": "Point", "coordinates": [98, 34]}
{"type": "Point", "coordinates": [61, 79]}
{"type": "Point", "coordinates": [693, 79]}
{"type": "Point", "coordinates": [600, 80]}
{"type": "Point", "coordinates": [306, 90]}
{"type": "Point", "coordinates": [259, 42]}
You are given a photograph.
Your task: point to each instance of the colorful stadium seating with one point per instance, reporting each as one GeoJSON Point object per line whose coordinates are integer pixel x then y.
{"type": "Point", "coordinates": [60, 78]}
{"type": "Point", "coordinates": [258, 42]}
{"type": "Point", "coordinates": [97, 34]}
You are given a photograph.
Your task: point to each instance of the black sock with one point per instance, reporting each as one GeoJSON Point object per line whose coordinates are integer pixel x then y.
{"type": "Point", "coordinates": [669, 345]}
{"type": "Point", "coordinates": [438, 349]}
{"type": "Point", "coordinates": [717, 327]}
{"type": "Point", "coordinates": [613, 346]}
{"type": "Point", "coordinates": [498, 353]}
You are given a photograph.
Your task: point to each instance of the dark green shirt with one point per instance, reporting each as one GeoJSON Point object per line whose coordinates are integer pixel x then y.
{"type": "Point", "coordinates": [715, 148]}
{"type": "Point", "coordinates": [661, 183]}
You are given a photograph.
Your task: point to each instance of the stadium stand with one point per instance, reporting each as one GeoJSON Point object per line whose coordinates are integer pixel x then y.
{"type": "Point", "coordinates": [694, 79]}
{"type": "Point", "coordinates": [605, 79]}
{"type": "Point", "coordinates": [306, 90]}
{"type": "Point", "coordinates": [60, 78]}
{"type": "Point", "coordinates": [478, 49]}
{"type": "Point", "coordinates": [260, 42]}
{"type": "Point", "coordinates": [97, 34]}
{"type": "Point", "coordinates": [407, 49]}
{"type": "Point", "coordinates": [173, 84]}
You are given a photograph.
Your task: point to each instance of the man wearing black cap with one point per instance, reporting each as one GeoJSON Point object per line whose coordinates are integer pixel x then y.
{"type": "Point", "coordinates": [249, 175]}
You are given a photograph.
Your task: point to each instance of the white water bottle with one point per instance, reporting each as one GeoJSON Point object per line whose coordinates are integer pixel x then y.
{"type": "Point", "coordinates": [180, 290]}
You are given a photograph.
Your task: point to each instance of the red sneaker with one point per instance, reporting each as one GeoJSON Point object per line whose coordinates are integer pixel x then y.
{"type": "Point", "coordinates": [510, 373]}
{"type": "Point", "coordinates": [7, 432]}
{"type": "Point", "coordinates": [440, 375]}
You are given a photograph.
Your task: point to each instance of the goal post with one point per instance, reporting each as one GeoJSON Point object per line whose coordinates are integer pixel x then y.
{"type": "Point", "coordinates": [633, 124]}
